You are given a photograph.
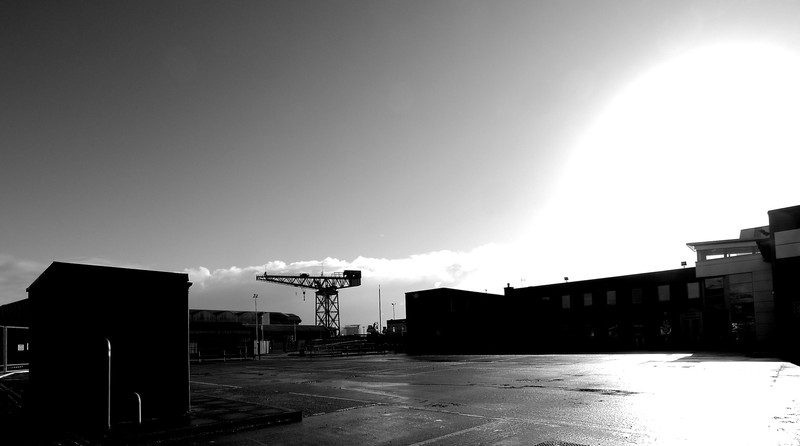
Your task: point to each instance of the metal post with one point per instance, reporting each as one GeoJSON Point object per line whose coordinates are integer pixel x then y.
{"type": "Point", "coordinates": [138, 407]}
{"type": "Point", "coordinates": [5, 349]}
{"type": "Point", "coordinates": [258, 340]}
{"type": "Point", "coordinates": [108, 390]}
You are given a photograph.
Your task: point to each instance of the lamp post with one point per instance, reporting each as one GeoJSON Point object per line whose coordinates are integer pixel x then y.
{"type": "Point", "coordinates": [393, 303]}
{"type": "Point", "coordinates": [258, 340]}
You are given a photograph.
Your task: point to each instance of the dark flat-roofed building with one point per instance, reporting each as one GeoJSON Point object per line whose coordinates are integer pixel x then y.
{"type": "Point", "coordinates": [76, 312]}
{"type": "Point", "coordinates": [446, 320]}
{"type": "Point", "coordinates": [639, 311]}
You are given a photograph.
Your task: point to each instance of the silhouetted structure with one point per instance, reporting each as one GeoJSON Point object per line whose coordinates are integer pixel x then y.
{"type": "Point", "coordinates": [326, 290]}
{"type": "Point", "coordinates": [15, 313]}
{"type": "Point", "coordinates": [784, 252]}
{"type": "Point", "coordinates": [743, 294]}
{"type": "Point", "coordinates": [396, 327]}
{"type": "Point", "coordinates": [446, 320]}
{"type": "Point", "coordinates": [220, 334]}
{"type": "Point", "coordinates": [75, 312]}
{"type": "Point", "coordinates": [651, 310]}
{"type": "Point", "coordinates": [14, 335]}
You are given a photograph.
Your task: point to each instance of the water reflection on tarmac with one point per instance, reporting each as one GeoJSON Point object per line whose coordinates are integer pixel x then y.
{"type": "Point", "coordinates": [602, 399]}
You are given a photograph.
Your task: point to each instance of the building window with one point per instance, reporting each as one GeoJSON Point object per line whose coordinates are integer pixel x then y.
{"type": "Point", "coordinates": [611, 297]}
{"type": "Point", "coordinates": [741, 287]}
{"type": "Point", "coordinates": [636, 296]}
{"type": "Point", "coordinates": [587, 299]}
{"type": "Point", "coordinates": [565, 304]}
{"type": "Point", "coordinates": [693, 290]}
{"type": "Point", "coordinates": [724, 253]}
{"type": "Point", "coordinates": [663, 293]}
{"type": "Point", "coordinates": [714, 291]}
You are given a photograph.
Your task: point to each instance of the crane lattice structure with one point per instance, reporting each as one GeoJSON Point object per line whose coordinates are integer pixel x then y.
{"type": "Point", "coordinates": [327, 291]}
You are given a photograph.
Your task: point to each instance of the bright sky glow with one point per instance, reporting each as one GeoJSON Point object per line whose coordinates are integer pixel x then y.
{"type": "Point", "coordinates": [453, 143]}
{"type": "Point", "coordinates": [695, 149]}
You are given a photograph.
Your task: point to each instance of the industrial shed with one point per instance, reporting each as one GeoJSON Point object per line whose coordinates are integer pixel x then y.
{"type": "Point", "coordinates": [77, 311]}
{"type": "Point", "coordinates": [446, 320]}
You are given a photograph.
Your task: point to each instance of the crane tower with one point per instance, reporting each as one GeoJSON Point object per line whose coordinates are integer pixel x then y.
{"type": "Point", "coordinates": [327, 292]}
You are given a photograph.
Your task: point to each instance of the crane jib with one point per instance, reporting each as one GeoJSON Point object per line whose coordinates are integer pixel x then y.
{"type": "Point", "coordinates": [327, 291]}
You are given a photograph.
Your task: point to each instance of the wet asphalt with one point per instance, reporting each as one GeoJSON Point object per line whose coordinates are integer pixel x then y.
{"type": "Point", "coordinates": [595, 399]}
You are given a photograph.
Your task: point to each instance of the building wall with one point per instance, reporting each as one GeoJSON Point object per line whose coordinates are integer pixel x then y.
{"type": "Point", "coordinates": [454, 321]}
{"type": "Point", "coordinates": [77, 310]}
{"type": "Point", "coordinates": [753, 275]}
{"type": "Point", "coordinates": [15, 313]}
{"type": "Point", "coordinates": [650, 310]}
{"type": "Point", "coordinates": [785, 237]}
{"type": "Point", "coordinates": [764, 302]}
{"type": "Point", "coordinates": [396, 327]}
{"type": "Point", "coordinates": [643, 311]}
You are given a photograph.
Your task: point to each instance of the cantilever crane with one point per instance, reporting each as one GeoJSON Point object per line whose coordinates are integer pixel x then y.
{"type": "Point", "coordinates": [327, 290]}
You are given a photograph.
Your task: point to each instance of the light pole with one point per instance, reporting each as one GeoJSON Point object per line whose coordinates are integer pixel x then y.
{"type": "Point", "coordinates": [393, 303]}
{"type": "Point", "coordinates": [258, 340]}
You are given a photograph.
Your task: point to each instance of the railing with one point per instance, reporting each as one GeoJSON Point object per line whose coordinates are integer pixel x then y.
{"type": "Point", "coordinates": [15, 359]}
{"type": "Point", "coordinates": [201, 356]}
{"type": "Point", "coordinates": [344, 348]}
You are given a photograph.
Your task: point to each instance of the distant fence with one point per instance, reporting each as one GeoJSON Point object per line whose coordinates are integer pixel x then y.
{"type": "Point", "coordinates": [332, 347]}
{"type": "Point", "coordinates": [16, 347]}
{"type": "Point", "coordinates": [217, 355]}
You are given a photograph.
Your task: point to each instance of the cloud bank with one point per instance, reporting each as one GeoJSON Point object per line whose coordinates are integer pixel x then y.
{"type": "Point", "coordinates": [486, 268]}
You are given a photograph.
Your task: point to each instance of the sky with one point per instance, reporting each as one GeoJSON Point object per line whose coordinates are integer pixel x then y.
{"type": "Point", "coordinates": [427, 143]}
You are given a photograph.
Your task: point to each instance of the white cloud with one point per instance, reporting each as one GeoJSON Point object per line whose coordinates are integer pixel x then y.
{"type": "Point", "coordinates": [488, 267]}
{"type": "Point", "coordinates": [450, 268]}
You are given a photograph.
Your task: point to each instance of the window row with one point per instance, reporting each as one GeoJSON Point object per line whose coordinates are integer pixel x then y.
{"type": "Point", "coordinates": [637, 295]}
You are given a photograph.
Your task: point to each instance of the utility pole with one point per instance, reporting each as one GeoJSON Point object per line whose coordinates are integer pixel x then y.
{"type": "Point", "coordinates": [380, 322]}
{"type": "Point", "coordinates": [258, 338]}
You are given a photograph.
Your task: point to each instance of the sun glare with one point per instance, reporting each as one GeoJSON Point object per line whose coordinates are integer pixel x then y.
{"type": "Point", "coordinates": [709, 115]}
{"type": "Point", "coordinates": [691, 145]}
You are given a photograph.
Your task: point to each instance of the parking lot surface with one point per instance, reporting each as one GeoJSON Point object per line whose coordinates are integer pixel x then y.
{"type": "Point", "coordinates": [596, 399]}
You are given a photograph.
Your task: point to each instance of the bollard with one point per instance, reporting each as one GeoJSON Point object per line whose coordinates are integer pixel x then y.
{"type": "Point", "coordinates": [108, 389]}
{"type": "Point", "coordinates": [138, 408]}
{"type": "Point", "coordinates": [5, 349]}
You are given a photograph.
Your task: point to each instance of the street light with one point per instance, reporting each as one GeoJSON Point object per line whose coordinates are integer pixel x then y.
{"type": "Point", "coordinates": [258, 340]}
{"type": "Point", "coordinates": [393, 303]}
